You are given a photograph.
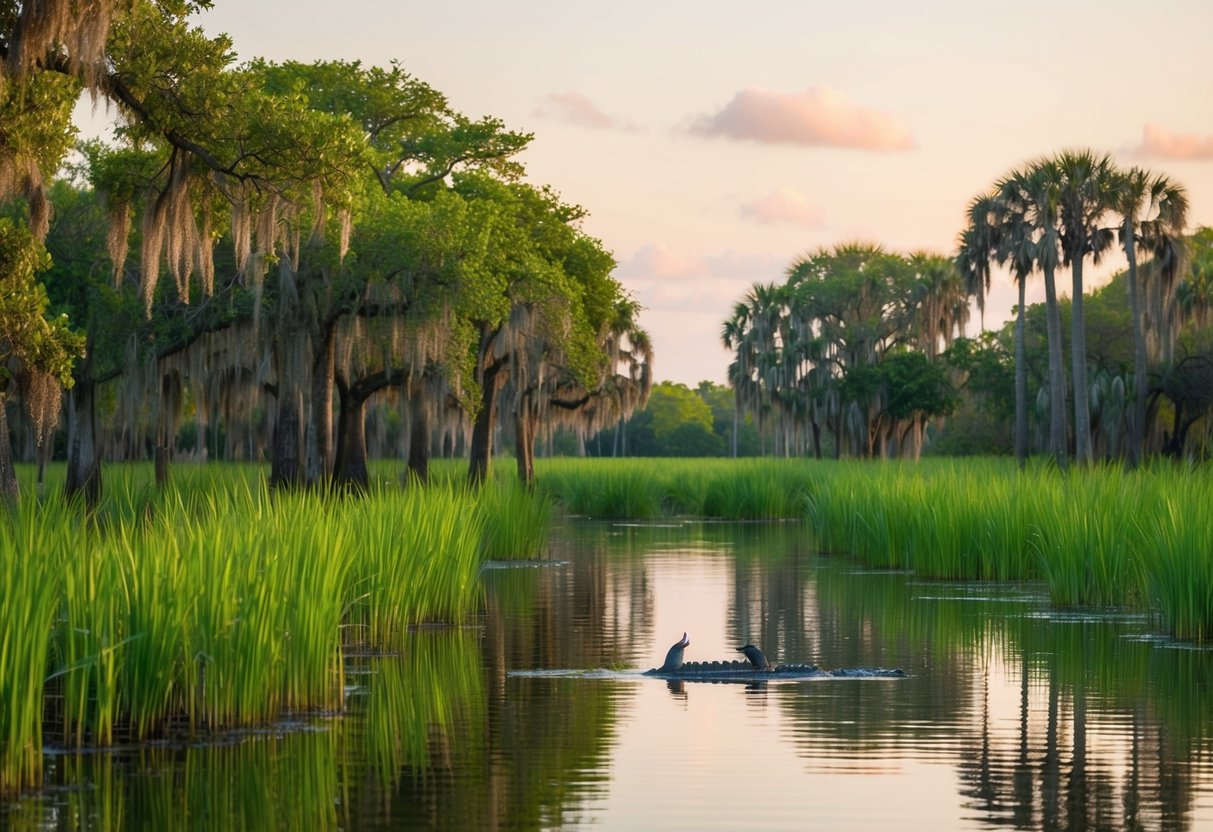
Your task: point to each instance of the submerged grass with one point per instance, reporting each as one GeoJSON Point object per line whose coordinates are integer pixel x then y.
{"type": "Point", "coordinates": [218, 603]}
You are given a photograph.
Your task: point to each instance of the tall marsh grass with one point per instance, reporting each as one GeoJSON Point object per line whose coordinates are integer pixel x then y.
{"type": "Point", "coordinates": [1097, 537]}
{"type": "Point", "coordinates": [644, 489]}
{"type": "Point", "coordinates": [217, 603]}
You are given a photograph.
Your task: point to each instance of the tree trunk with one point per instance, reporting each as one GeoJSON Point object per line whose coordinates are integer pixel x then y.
{"type": "Point", "coordinates": [319, 429]}
{"type": "Point", "coordinates": [160, 458]}
{"type": "Point", "coordinates": [83, 457]}
{"type": "Point", "coordinates": [1137, 428]}
{"type": "Point", "coordinates": [1021, 379]}
{"type": "Point", "coordinates": [285, 470]}
{"type": "Point", "coordinates": [525, 427]}
{"type": "Point", "coordinates": [419, 437]}
{"type": "Point", "coordinates": [1078, 354]}
{"type": "Point", "coordinates": [481, 452]}
{"type": "Point", "coordinates": [10, 492]}
{"type": "Point", "coordinates": [1057, 373]}
{"type": "Point", "coordinates": [350, 468]}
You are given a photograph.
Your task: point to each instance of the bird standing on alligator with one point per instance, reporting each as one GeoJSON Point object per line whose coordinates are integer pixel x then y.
{"type": "Point", "coordinates": [756, 657]}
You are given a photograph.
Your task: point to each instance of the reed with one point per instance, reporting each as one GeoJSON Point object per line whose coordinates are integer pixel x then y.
{"type": "Point", "coordinates": [1177, 560]}
{"type": "Point", "coordinates": [215, 603]}
{"type": "Point", "coordinates": [28, 600]}
{"type": "Point", "coordinates": [605, 489]}
{"type": "Point", "coordinates": [417, 557]}
{"type": "Point", "coordinates": [516, 520]}
{"type": "Point", "coordinates": [1097, 537]}
{"type": "Point", "coordinates": [1089, 541]}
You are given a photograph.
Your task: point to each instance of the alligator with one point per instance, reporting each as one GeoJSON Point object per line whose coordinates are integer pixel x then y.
{"type": "Point", "coordinates": [727, 671]}
{"type": "Point", "coordinates": [755, 669]}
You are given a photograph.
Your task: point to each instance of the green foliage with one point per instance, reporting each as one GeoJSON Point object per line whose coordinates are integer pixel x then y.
{"type": "Point", "coordinates": [988, 368]}
{"type": "Point", "coordinates": [915, 387]}
{"type": "Point", "coordinates": [39, 343]}
{"type": "Point", "coordinates": [675, 422]}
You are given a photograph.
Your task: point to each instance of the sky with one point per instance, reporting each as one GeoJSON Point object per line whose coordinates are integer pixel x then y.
{"type": "Point", "coordinates": [712, 143]}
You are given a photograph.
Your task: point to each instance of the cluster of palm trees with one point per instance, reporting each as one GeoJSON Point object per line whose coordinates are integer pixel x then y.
{"type": "Point", "coordinates": [1056, 213]}
{"type": "Point", "coordinates": [810, 351]}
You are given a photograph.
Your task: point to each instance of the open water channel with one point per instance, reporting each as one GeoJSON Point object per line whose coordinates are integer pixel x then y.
{"type": "Point", "coordinates": [1011, 715]}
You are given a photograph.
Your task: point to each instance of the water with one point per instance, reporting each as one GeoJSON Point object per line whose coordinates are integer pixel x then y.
{"type": "Point", "coordinates": [1012, 716]}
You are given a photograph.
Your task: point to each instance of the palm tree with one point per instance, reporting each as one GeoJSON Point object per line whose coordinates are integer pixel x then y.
{"type": "Point", "coordinates": [942, 296]}
{"type": "Point", "coordinates": [1085, 184]}
{"type": "Point", "coordinates": [1153, 211]}
{"type": "Point", "coordinates": [753, 334]}
{"type": "Point", "coordinates": [1030, 208]}
{"type": "Point", "coordinates": [997, 233]}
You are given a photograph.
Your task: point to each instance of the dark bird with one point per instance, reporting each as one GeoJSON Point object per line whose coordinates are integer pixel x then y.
{"type": "Point", "coordinates": [755, 656]}
{"type": "Point", "coordinates": [673, 659]}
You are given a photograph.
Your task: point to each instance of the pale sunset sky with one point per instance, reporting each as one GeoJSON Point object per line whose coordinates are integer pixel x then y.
{"type": "Point", "coordinates": [714, 142]}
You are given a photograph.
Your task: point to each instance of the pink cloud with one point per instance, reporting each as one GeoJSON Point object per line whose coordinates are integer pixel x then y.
{"type": "Point", "coordinates": [664, 279]}
{"type": "Point", "coordinates": [657, 260]}
{"type": "Point", "coordinates": [1161, 143]}
{"type": "Point", "coordinates": [783, 206]}
{"type": "Point", "coordinates": [819, 116]}
{"type": "Point", "coordinates": [574, 108]}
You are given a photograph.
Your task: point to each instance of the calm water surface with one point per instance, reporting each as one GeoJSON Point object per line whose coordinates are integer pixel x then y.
{"type": "Point", "coordinates": [1012, 716]}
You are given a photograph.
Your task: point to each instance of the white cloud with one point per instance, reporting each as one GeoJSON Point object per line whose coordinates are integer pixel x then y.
{"type": "Point", "coordinates": [818, 116]}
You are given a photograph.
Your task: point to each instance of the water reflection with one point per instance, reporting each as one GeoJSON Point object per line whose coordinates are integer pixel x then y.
{"type": "Point", "coordinates": [1012, 716]}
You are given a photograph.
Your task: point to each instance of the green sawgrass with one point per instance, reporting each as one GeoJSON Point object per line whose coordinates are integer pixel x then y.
{"type": "Point", "coordinates": [1097, 537]}
{"type": "Point", "coordinates": [215, 603]}
{"type": "Point", "coordinates": [1088, 538]}
{"type": "Point", "coordinates": [1177, 561]}
{"type": "Point", "coordinates": [516, 521]}
{"type": "Point", "coordinates": [417, 557]}
{"type": "Point", "coordinates": [606, 489]}
{"type": "Point", "coordinates": [88, 644]}
{"type": "Point", "coordinates": [754, 492]}
{"type": "Point", "coordinates": [30, 542]}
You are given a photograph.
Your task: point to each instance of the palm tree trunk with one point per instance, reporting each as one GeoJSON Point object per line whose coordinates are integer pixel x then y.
{"type": "Point", "coordinates": [1078, 354]}
{"type": "Point", "coordinates": [1137, 435]}
{"type": "Point", "coordinates": [1021, 380]}
{"type": "Point", "coordinates": [1057, 372]}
